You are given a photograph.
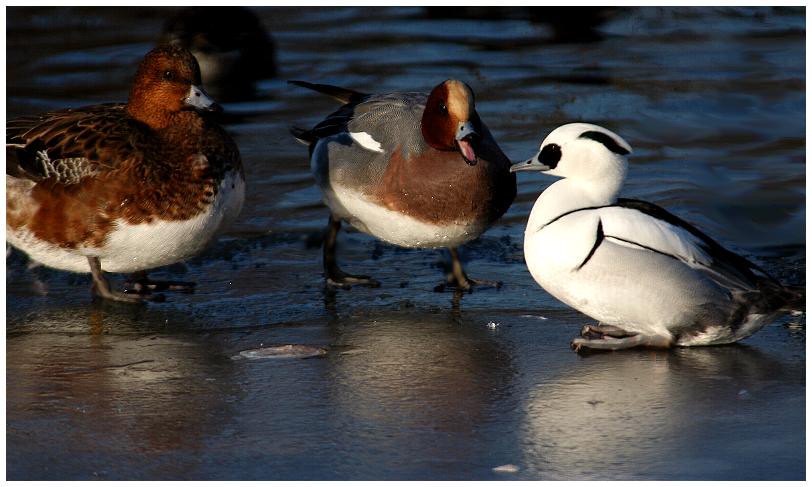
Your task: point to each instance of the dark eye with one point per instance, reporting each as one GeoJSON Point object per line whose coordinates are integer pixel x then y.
{"type": "Point", "coordinates": [443, 108]}
{"type": "Point", "coordinates": [167, 75]}
{"type": "Point", "coordinates": [550, 155]}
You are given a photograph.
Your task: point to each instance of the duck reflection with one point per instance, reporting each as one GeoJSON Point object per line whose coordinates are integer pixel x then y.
{"type": "Point", "coordinates": [113, 389]}
{"type": "Point", "coordinates": [626, 416]}
{"type": "Point", "coordinates": [420, 381]}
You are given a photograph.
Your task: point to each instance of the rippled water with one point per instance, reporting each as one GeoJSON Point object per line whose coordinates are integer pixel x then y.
{"type": "Point", "coordinates": [417, 384]}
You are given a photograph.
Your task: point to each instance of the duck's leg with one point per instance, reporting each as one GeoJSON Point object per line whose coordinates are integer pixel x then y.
{"type": "Point", "coordinates": [334, 276]}
{"type": "Point", "coordinates": [101, 286]}
{"type": "Point", "coordinates": [140, 283]}
{"type": "Point", "coordinates": [610, 343]}
{"type": "Point", "coordinates": [456, 276]}
{"type": "Point", "coordinates": [599, 331]}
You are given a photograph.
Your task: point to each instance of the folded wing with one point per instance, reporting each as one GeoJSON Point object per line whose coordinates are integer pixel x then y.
{"type": "Point", "coordinates": [639, 224]}
{"type": "Point", "coordinates": [68, 145]}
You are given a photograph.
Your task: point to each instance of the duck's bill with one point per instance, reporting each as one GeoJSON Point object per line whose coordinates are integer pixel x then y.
{"type": "Point", "coordinates": [466, 138]}
{"type": "Point", "coordinates": [201, 101]}
{"type": "Point", "coordinates": [529, 165]}
{"type": "Point", "coordinates": [467, 150]}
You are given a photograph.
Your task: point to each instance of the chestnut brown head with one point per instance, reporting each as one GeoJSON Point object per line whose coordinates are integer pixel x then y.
{"type": "Point", "coordinates": [167, 82]}
{"type": "Point", "coordinates": [450, 121]}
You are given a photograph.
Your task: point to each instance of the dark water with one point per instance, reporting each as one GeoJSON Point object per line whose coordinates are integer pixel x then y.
{"type": "Point", "coordinates": [417, 384]}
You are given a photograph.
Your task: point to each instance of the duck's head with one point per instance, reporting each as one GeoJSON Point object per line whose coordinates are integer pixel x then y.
{"type": "Point", "coordinates": [581, 151]}
{"type": "Point", "coordinates": [167, 82]}
{"type": "Point", "coordinates": [450, 121]}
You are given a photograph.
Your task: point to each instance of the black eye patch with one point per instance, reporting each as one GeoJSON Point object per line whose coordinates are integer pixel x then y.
{"type": "Point", "coordinates": [604, 139]}
{"type": "Point", "coordinates": [550, 155]}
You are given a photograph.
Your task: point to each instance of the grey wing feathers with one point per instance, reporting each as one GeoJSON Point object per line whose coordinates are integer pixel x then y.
{"type": "Point", "coordinates": [360, 113]}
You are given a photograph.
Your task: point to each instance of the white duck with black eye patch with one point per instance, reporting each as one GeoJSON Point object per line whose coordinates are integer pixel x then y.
{"type": "Point", "coordinates": [648, 277]}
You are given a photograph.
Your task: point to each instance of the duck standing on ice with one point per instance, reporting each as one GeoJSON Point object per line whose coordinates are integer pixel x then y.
{"type": "Point", "coordinates": [413, 169]}
{"type": "Point", "coordinates": [648, 277]}
{"type": "Point", "coordinates": [124, 187]}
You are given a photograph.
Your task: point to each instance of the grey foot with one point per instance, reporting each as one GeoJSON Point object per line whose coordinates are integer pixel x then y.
{"type": "Point", "coordinates": [339, 279]}
{"type": "Point", "coordinates": [102, 288]}
{"type": "Point", "coordinates": [145, 285]}
{"type": "Point", "coordinates": [465, 284]}
{"type": "Point", "coordinates": [599, 331]}
{"type": "Point", "coordinates": [607, 342]}
{"type": "Point", "coordinates": [105, 292]}
{"type": "Point", "coordinates": [457, 278]}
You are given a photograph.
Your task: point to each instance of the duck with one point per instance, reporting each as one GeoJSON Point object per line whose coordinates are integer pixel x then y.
{"type": "Point", "coordinates": [125, 187]}
{"type": "Point", "coordinates": [231, 45]}
{"type": "Point", "coordinates": [648, 277]}
{"type": "Point", "coordinates": [414, 169]}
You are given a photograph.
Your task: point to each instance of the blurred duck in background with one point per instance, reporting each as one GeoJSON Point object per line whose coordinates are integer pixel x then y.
{"type": "Point", "coordinates": [231, 45]}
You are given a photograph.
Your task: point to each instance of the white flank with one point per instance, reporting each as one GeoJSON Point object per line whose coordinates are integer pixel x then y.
{"type": "Point", "coordinates": [366, 141]}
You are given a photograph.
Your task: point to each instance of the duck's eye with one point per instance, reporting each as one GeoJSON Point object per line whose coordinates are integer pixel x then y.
{"type": "Point", "coordinates": [167, 75]}
{"type": "Point", "coordinates": [550, 155]}
{"type": "Point", "coordinates": [443, 108]}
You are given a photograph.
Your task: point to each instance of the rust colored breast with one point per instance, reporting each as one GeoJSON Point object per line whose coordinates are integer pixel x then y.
{"type": "Point", "coordinates": [438, 187]}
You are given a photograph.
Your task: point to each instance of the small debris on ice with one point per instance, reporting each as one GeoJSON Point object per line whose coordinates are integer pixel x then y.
{"type": "Point", "coordinates": [507, 468]}
{"type": "Point", "coordinates": [281, 351]}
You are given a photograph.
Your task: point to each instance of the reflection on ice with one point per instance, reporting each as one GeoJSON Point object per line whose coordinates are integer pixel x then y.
{"type": "Point", "coordinates": [642, 415]}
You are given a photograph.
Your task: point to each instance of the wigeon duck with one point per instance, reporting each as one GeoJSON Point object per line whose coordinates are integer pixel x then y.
{"type": "Point", "coordinates": [230, 44]}
{"type": "Point", "coordinates": [124, 187]}
{"type": "Point", "coordinates": [413, 169]}
{"type": "Point", "coordinates": [648, 277]}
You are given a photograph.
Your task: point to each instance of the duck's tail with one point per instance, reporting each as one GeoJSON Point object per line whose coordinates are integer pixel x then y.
{"type": "Point", "coordinates": [344, 95]}
{"type": "Point", "coordinates": [795, 298]}
{"type": "Point", "coordinates": [304, 136]}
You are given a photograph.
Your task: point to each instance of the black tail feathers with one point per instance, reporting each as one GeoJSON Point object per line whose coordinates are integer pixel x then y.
{"type": "Point", "coordinates": [344, 95]}
{"type": "Point", "coordinates": [302, 135]}
{"type": "Point", "coordinates": [795, 297]}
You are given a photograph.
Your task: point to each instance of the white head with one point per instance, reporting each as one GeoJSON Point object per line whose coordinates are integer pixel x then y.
{"type": "Point", "coordinates": [583, 152]}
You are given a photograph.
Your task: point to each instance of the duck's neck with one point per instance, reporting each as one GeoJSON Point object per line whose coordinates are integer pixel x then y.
{"type": "Point", "coordinates": [165, 122]}
{"type": "Point", "coordinates": [568, 195]}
